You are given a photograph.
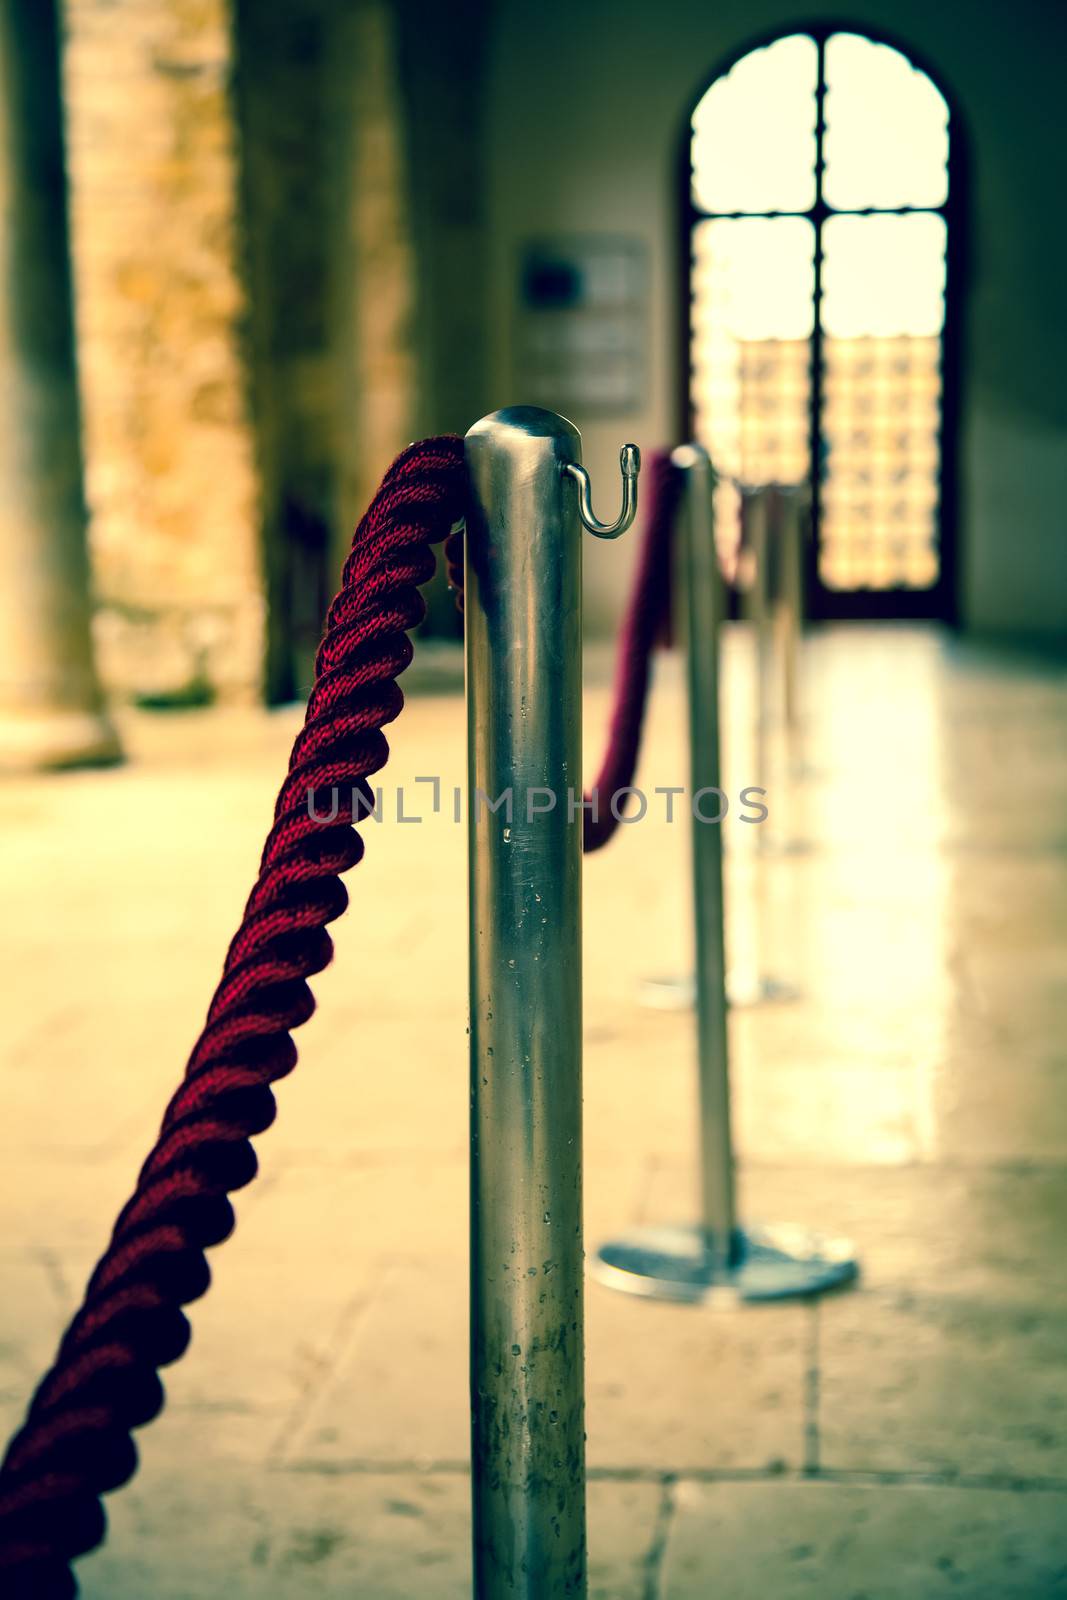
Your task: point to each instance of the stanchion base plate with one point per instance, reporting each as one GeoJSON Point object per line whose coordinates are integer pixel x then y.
{"type": "Point", "coordinates": [775, 1262]}
{"type": "Point", "coordinates": [743, 989]}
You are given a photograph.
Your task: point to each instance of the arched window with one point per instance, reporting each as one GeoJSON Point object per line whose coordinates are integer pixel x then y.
{"type": "Point", "coordinates": [818, 216]}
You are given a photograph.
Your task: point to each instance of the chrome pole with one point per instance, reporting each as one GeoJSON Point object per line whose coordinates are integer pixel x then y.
{"type": "Point", "coordinates": [758, 509]}
{"type": "Point", "coordinates": [704, 610]}
{"type": "Point", "coordinates": [524, 681]}
{"type": "Point", "coordinates": [785, 548]}
{"type": "Point", "coordinates": [792, 510]}
{"type": "Point", "coordinates": [775, 532]}
{"type": "Point", "coordinates": [717, 1260]}
{"type": "Point", "coordinates": [746, 985]}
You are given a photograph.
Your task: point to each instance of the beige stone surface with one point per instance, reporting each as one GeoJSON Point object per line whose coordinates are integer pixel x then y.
{"type": "Point", "coordinates": [741, 1407]}
{"type": "Point", "coordinates": [383, 1536]}
{"type": "Point", "coordinates": [838, 1542]}
{"type": "Point", "coordinates": [911, 1099]}
{"type": "Point", "coordinates": [39, 1303]}
{"type": "Point", "coordinates": [945, 1385]}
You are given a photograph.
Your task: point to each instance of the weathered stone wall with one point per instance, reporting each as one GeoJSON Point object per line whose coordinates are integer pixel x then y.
{"type": "Point", "coordinates": [277, 221]}
{"type": "Point", "coordinates": [171, 485]}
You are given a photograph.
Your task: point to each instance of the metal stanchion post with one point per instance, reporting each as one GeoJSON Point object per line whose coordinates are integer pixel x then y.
{"type": "Point", "coordinates": [746, 985]}
{"type": "Point", "coordinates": [775, 530]}
{"type": "Point", "coordinates": [788, 525]}
{"type": "Point", "coordinates": [762, 607]}
{"type": "Point", "coordinates": [704, 599]}
{"type": "Point", "coordinates": [798, 511]}
{"type": "Point", "coordinates": [523, 628]}
{"type": "Point", "coordinates": [716, 1259]}
{"type": "Point", "coordinates": [792, 508]}
{"type": "Point", "coordinates": [767, 511]}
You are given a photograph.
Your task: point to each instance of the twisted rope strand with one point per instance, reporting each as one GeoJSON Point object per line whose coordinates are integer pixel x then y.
{"type": "Point", "coordinates": [645, 625]}
{"type": "Point", "coordinates": [75, 1444]}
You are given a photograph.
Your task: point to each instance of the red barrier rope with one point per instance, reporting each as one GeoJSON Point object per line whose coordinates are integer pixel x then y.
{"type": "Point", "coordinates": [75, 1444]}
{"type": "Point", "coordinates": [646, 623]}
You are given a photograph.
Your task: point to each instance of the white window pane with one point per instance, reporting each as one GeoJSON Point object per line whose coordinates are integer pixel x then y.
{"type": "Point", "coordinates": [886, 140]}
{"type": "Point", "coordinates": [883, 275]}
{"type": "Point", "coordinates": [754, 132]}
{"type": "Point", "coordinates": [753, 286]}
{"type": "Point", "coordinates": [881, 416]}
{"type": "Point", "coordinates": [756, 275]}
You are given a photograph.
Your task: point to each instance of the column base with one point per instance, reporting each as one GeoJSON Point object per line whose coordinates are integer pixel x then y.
{"type": "Point", "coordinates": [52, 741]}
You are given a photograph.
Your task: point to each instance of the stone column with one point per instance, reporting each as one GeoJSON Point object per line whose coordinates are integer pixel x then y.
{"type": "Point", "coordinates": [161, 313]}
{"type": "Point", "coordinates": [51, 713]}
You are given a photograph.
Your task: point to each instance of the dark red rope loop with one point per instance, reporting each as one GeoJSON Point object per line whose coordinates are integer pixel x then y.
{"type": "Point", "coordinates": [75, 1444]}
{"type": "Point", "coordinates": [646, 624]}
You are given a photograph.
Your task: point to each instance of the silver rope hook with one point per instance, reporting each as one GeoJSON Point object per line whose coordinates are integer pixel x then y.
{"type": "Point", "coordinates": [630, 462]}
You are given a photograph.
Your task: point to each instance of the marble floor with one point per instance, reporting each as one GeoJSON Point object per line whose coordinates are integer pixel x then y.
{"type": "Point", "coordinates": [903, 1440]}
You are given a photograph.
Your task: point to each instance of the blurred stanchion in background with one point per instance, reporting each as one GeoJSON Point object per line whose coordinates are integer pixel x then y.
{"type": "Point", "coordinates": [771, 585]}
{"type": "Point", "coordinates": [773, 521]}
{"type": "Point", "coordinates": [716, 1259]}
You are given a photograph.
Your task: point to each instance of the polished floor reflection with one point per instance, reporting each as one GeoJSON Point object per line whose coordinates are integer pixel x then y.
{"type": "Point", "coordinates": [907, 1438]}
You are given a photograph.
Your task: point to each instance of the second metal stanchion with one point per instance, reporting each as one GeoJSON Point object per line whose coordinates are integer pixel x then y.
{"type": "Point", "coordinates": [715, 1258]}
